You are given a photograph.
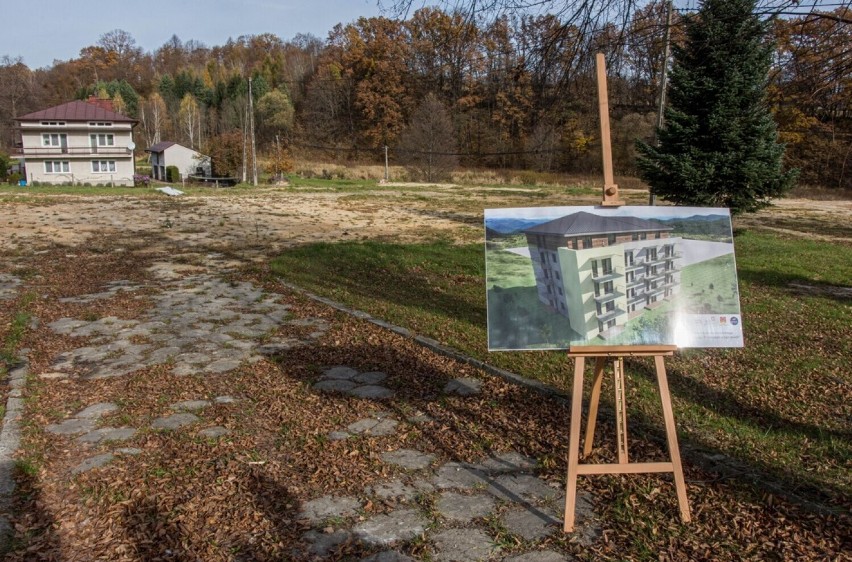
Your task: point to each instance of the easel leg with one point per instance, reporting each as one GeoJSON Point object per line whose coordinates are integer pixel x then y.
{"type": "Point", "coordinates": [574, 444]}
{"type": "Point", "coordinates": [620, 410]}
{"type": "Point", "coordinates": [593, 406]}
{"type": "Point", "coordinates": [671, 436]}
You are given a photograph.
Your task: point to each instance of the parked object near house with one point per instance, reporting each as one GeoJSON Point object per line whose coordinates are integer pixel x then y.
{"type": "Point", "coordinates": [188, 161]}
{"type": "Point", "coordinates": [79, 142]}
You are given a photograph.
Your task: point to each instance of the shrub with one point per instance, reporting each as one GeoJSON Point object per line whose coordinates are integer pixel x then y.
{"type": "Point", "coordinates": [139, 179]}
{"type": "Point", "coordinates": [172, 174]}
{"type": "Point", "coordinates": [14, 178]}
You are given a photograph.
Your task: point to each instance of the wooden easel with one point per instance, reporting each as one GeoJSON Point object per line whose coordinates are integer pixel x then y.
{"type": "Point", "coordinates": [623, 466]}
{"type": "Point", "coordinates": [617, 354]}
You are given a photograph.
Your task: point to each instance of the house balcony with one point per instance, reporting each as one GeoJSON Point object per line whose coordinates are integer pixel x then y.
{"type": "Point", "coordinates": [608, 297]}
{"type": "Point", "coordinates": [65, 151]}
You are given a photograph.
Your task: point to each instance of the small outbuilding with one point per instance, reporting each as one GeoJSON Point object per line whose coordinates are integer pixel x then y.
{"type": "Point", "coordinates": [190, 162]}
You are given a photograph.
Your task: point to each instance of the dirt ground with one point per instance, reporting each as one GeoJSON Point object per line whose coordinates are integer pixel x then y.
{"type": "Point", "coordinates": [266, 221]}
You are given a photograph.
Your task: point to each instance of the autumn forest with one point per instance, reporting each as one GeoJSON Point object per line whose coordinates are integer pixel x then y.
{"type": "Point", "coordinates": [510, 92]}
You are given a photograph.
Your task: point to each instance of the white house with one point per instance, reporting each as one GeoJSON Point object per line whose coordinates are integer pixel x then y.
{"type": "Point", "coordinates": [187, 160]}
{"type": "Point", "coordinates": [78, 142]}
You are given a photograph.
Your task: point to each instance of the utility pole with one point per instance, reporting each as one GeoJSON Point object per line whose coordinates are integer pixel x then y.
{"type": "Point", "coordinates": [253, 146]}
{"type": "Point", "coordinates": [245, 144]}
{"type": "Point", "coordinates": [387, 176]}
{"type": "Point", "coordinates": [652, 199]}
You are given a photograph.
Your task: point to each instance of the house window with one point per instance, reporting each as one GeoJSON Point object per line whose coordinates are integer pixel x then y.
{"type": "Point", "coordinates": [657, 235]}
{"type": "Point", "coordinates": [610, 306]}
{"type": "Point", "coordinates": [53, 123]}
{"type": "Point", "coordinates": [100, 124]}
{"type": "Point", "coordinates": [101, 166]}
{"type": "Point", "coordinates": [643, 236]}
{"type": "Point", "coordinates": [575, 243]}
{"type": "Point", "coordinates": [556, 274]}
{"type": "Point", "coordinates": [628, 257]}
{"type": "Point", "coordinates": [560, 290]}
{"type": "Point", "coordinates": [54, 139]}
{"type": "Point", "coordinates": [607, 266]}
{"type": "Point", "coordinates": [547, 274]}
{"type": "Point", "coordinates": [587, 242]}
{"type": "Point", "coordinates": [543, 257]}
{"type": "Point", "coordinates": [594, 268]}
{"type": "Point", "coordinates": [610, 239]}
{"type": "Point", "coordinates": [103, 139]}
{"type": "Point", "coordinates": [635, 236]}
{"type": "Point", "coordinates": [607, 287]}
{"type": "Point", "coordinates": [57, 167]}
{"type": "Point", "coordinates": [553, 257]}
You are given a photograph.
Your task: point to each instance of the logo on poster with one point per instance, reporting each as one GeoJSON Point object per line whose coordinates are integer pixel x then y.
{"type": "Point", "coordinates": [735, 320]}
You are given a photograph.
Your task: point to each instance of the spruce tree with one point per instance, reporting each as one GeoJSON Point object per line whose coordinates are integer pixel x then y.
{"type": "Point", "coordinates": [718, 146]}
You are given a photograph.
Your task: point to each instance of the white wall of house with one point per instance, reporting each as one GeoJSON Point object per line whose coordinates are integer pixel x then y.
{"type": "Point", "coordinates": [103, 171]}
{"type": "Point", "coordinates": [186, 159]}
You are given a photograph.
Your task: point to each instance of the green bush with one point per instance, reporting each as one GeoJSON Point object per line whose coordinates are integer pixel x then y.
{"type": "Point", "coordinates": [4, 165]}
{"type": "Point", "coordinates": [172, 174]}
{"type": "Point", "coordinates": [14, 178]}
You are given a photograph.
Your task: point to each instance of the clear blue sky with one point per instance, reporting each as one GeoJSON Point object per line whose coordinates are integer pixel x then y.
{"type": "Point", "coordinates": [40, 31]}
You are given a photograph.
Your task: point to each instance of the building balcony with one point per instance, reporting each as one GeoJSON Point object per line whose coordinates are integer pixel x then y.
{"type": "Point", "coordinates": [608, 297]}
{"type": "Point", "coordinates": [609, 315]}
{"type": "Point", "coordinates": [607, 276]}
{"type": "Point", "coordinates": [639, 297]}
{"type": "Point", "coordinates": [637, 282]}
{"type": "Point", "coordinates": [65, 151]}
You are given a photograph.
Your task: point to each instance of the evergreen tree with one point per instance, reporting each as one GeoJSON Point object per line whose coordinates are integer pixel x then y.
{"type": "Point", "coordinates": [719, 146]}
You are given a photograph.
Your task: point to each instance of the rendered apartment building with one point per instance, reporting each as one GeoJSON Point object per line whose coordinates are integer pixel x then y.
{"type": "Point", "coordinates": [79, 142]}
{"type": "Point", "coordinates": [601, 271]}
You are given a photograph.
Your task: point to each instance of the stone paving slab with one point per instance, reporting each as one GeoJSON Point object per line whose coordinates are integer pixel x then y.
{"type": "Point", "coordinates": [462, 545]}
{"type": "Point", "coordinates": [531, 523]}
{"type": "Point", "coordinates": [71, 426]}
{"type": "Point", "coordinates": [175, 421]}
{"type": "Point", "coordinates": [190, 405]}
{"type": "Point", "coordinates": [323, 544]}
{"type": "Point", "coordinates": [539, 556]}
{"type": "Point", "coordinates": [93, 462]}
{"type": "Point", "coordinates": [95, 411]}
{"type": "Point", "coordinates": [107, 434]}
{"type": "Point", "coordinates": [395, 490]}
{"type": "Point", "coordinates": [464, 386]}
{"type": "Point", "coordinates": [459, 508]}
{"type": "Point", "coordinates": [320, 509]}
{"type": "Point", "coordinates": [388, 529]}
{"type": "Point", "coordinates": [214, 432]}
{"type": "Point", "coordinates": [388, 556]}
{"type": "Point", "coordinates": [458, 475]}
{"type": "Point", "coordinates": [408, 458]}
{"type": "Point", "coordinates": [374, 427]}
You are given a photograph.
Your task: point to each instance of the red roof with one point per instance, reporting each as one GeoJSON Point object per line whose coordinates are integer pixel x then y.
{"type": "Point", "coordinates": [76, 111]}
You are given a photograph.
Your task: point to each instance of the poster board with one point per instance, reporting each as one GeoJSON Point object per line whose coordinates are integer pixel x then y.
{"type": "Point", "coordinates": [558, 277]}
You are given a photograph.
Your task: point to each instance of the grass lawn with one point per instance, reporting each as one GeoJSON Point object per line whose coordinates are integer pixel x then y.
{"type": "Point", "coordinates": [780, 405]}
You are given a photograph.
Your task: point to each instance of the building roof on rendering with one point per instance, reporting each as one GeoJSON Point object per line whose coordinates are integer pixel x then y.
{"type": "Point", "coordinates": [586, 224]}
{"type": "Point", "coordinates": [160, 146]}
{"type": "Point", "coordinates": [76, 111]}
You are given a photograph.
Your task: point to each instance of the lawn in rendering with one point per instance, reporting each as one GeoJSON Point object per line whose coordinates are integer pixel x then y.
{"type": "Point", "coordinates": [563, 276]}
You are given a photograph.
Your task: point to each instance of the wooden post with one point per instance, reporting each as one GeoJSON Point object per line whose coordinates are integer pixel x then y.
{"type": "Point", "coordinates": [623, 466]}
{"type": "Point", "coordinates": [610, 189]}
